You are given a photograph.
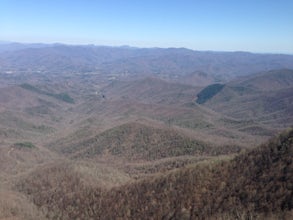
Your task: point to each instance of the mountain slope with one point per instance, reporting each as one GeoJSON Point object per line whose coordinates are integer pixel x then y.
{"type": "Point", "coordinates": [135, 141]}
{"type": "Point", "coordinates": [151, 90]}
{"type": "Point", "coordinates": [259, 181]}
{"type": "Point", "coordinates": [265, 97]}
{"type": "Point", "coordinates": [267, 81]}
{"type": "Point", "coordinates": [255, 184]}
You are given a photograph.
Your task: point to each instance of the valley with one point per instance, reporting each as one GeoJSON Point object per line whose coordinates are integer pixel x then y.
{"type": "Point", "coordinates": [92, 132]}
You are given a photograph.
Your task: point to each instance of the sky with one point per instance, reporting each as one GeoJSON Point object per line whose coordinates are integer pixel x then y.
{"type": "Point", "coordinates": [264, 26]}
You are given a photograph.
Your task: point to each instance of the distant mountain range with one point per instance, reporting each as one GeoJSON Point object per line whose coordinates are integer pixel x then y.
{"type": "Point", "coordinates": [12, 46]}
{"type": "Point", "coordinates": [167, 63]}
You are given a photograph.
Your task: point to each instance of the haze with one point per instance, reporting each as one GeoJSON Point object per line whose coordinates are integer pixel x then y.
{"type": "Point", "coordinates": [256, 26]}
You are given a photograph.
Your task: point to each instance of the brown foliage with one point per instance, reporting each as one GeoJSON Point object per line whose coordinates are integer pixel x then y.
{"type": "Point", "coordinates": [253, 185]}
{"type": "Point", "coordinates": [136, 141]}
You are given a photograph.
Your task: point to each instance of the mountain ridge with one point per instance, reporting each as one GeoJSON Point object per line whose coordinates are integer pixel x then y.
{"type": "Point", "coordinates": [168, 63]}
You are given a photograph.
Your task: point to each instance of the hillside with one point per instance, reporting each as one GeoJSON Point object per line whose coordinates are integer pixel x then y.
{"type": "Point", "coordinates": [151, 90]}
{"type": "Point", "coordinates": [27, 114]}
{"type": "Point", "coordinates": [135, 141]}
{"type": "Point", "coordinates": [208, 92]}
{"type": "Point", "coordinates": [264, 97]}
{"type": "Point", "coordinates": [267, 81]}
{"type": "Point", "coordinates": [256, 184]}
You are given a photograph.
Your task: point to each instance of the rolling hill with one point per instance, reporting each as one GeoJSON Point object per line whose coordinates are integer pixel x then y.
{"type": "Point", "coordinates": [136, 141]}
{"type": "Point", "coordinates": [93, 132]}
{"type": "Point", "coordinates": [267, 81]}
{"type": "Point", "coordinates": [255, 184]}
{"type": "Point", "coordinates": [264, 97]}
{"type": "Point", "coordinates": [151, 90]}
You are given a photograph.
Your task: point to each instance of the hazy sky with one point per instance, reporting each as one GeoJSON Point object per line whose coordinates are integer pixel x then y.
{"type": "Point", "coordinates": [226, 25]}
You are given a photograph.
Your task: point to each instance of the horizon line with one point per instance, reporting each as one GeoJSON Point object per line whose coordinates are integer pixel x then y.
{"type": "Point", "coordinates": [3, 42]}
